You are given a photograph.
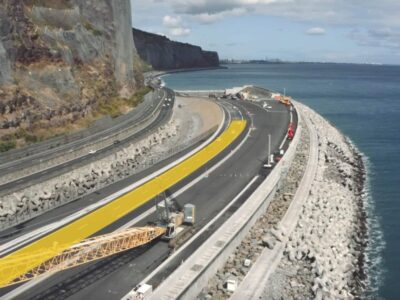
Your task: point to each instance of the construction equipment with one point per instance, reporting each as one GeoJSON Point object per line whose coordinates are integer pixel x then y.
{"type": "Point", "coordinates": [171, 215]}
{"type": "Point", "coordinates": [86, 251]}
{"type": "Point", "coordinates": [285, 100]}
{"type": "Point", "coordinates": [172, 223]}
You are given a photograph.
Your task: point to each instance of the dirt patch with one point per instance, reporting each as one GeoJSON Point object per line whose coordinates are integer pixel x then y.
{"type": "Point", "coordinates": [204, 114]}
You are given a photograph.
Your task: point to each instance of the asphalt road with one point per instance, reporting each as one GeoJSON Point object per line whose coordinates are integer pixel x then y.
{"type": "Point", "coordinates": [113, 277]}
{"type": "Point", "coordinates": [38, 177]}
{"type": "Point", "coordinates": [75, 206]}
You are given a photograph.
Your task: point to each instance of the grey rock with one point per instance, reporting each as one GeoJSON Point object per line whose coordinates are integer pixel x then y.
{"type": "Point", "coordinates": [269, 242]}
{"type": "Point", "coordinates": [164, 54]}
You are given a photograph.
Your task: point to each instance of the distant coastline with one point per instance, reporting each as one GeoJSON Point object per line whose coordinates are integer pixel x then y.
{"type": "Point", "coordinates": [277, 61]}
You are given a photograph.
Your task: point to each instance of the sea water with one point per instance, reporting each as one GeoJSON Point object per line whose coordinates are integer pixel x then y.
{"type": "Point", "coordinates": [363, 101]}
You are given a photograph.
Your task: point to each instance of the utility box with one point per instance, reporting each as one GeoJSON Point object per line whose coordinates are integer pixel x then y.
{"type": "Point", "coordinates": [145, 290]}
{"type": "Point", "coordinates": [231, 285]}
{"type": "Point", "coordinates": [247, 263]}
{"type": "Point", "coordinates": [141, 292]}
{"type": "Point", "coordinates": [189, 214]}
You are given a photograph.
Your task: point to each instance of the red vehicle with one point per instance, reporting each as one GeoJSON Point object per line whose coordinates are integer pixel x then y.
{"type": "Point", "coordinates": [291, 131]}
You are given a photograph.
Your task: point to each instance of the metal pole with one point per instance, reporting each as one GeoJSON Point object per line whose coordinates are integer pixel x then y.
{"type": "Point", "coordinates": [269, 147]}
{"type": "Point", "coordinates": [166, 205]}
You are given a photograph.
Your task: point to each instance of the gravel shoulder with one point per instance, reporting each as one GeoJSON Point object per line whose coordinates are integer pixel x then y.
{"type": "Point", "coordinates": [204, 114]}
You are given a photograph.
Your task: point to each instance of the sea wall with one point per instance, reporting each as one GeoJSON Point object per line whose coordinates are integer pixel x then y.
{"type": "Point", "coordinates": [262, 235]}
{"type": "Point", "coordinates": [310, 244]}
{"type": "Point", "coordinates": [324, 256]}
{"type": "Point", "coordinates": [189, 279]}
{"type": "Point", "coordinates": [316, 247]}
{"type": "Point", "coordinates": [163, 54]}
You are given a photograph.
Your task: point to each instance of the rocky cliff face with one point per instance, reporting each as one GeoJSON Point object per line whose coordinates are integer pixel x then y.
{"type": "Point", "coordinates": [60, 58]}
{"type": "Point", "coordinates": [164, 54]}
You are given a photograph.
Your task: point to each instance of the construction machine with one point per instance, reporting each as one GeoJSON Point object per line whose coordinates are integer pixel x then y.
{"type": "Point", "coordinates": [167, 227]}
{"type": "Point", "coordinates": [286, 100]}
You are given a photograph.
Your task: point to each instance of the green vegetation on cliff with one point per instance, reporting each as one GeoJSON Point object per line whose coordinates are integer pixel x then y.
{"type": "Point", "coordinates": [118, 106]}
{"type": "Point", "coordinates": [114, 107]}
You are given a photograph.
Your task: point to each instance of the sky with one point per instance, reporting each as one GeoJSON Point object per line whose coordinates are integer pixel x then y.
{"type": "Point", "coordinates": [350, 31]}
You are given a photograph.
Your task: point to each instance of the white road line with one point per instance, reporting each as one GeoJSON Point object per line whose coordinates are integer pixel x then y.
{"type": "Point", "coordinates": [283, 141]}
{"type": "Point", "coordinates": [205, 174]}
{"type": "Point", "coordinates": [29, 285]}
{"type": "Point", "coordinates": [201, 231]}
{"type": "Point", "coordinates": [26, 238]}
{"type": "Point", "coordinates": [66, 146]}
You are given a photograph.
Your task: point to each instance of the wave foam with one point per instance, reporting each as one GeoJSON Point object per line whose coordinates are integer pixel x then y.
{"type": "Point", "coordinates": [373, 263]}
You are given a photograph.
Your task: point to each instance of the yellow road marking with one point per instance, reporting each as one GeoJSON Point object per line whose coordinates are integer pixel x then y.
{"type": "Point", "coordinates": [88, 225]}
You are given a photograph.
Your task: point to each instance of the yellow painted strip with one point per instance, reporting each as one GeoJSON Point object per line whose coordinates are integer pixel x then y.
{"type": "Point", "coordinates": [88, 225]}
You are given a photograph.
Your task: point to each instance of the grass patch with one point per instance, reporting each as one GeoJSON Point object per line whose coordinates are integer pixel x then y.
{"type": "Point", "coordinates": [56, 4]}
{"type": "Point", "coordinates": [91, 28]}
{"type": "Point", "coordinates": [116, 106]}
{"type": "Point", "coordinates": [28, 137]}
{"type": "Point", "coordinates": [7, 145]}
{"type": "Point", "coordinates": [139, 65]}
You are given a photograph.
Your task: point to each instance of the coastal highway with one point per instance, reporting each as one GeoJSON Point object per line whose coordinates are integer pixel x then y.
{"type": "Point", "coordinates": [240, 163]}
{"type": "Point", "coordinates": [163, 117]}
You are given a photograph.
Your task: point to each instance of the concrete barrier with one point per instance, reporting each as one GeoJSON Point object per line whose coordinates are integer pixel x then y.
{"type": "Point", "coordinates": [187, 281]}
{"type": "Point", "coordinates": [203, 94]}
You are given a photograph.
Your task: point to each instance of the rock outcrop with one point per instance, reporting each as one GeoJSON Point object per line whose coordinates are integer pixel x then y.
{"type": "Point", "coordinates": [163, 54]}
{"type": "Point", "coordinates": [59, 59]}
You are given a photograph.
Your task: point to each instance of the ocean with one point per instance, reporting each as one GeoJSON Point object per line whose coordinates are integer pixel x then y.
{"type": "Point", "coordinates": [363, 101]}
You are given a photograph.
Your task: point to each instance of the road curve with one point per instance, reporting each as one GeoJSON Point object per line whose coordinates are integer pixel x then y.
{"type": "Point", "coordinates": [210, 195]}
{"type": "Point", "coordinates": [108, 214]}
{"type": "Point", "coordinates": [39, 157]}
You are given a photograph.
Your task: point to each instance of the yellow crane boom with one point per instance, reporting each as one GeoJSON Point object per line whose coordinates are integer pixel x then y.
{"type": "Point", "coordinates": [86, 251]}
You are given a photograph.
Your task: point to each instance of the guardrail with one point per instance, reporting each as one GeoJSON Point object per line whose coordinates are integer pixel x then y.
{"type": "Point", "coordinates": [98, 126]}
{"type": "Point", "coordinates": [81, 149]}
{"type": "Point", "coordinates": [187, 281]}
